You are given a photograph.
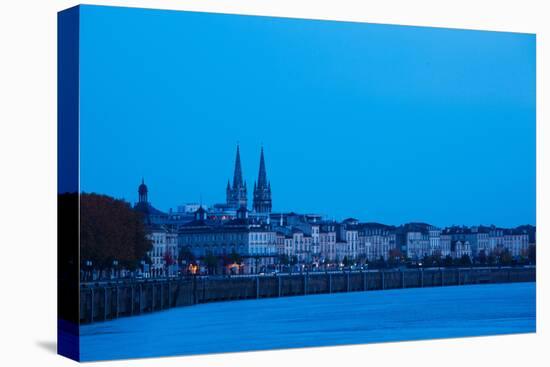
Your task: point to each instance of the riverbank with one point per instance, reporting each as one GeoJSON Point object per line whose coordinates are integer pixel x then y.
{"type": "Point", "coordinates": [111, 300]}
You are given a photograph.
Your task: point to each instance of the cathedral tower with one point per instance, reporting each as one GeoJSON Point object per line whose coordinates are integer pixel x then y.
{"type": "Point", "coordinates": [262, 189]}
{"type": "Point", "coordinates": [236, 195]}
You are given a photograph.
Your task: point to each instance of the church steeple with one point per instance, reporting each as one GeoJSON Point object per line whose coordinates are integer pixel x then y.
{"type": "Point", "coordinates": [262, 189]}
{"type": "Point", "coordinates": [262, 176]}
{"type": "Point", "coordinates": [238, 174]}
{"type": "Point", "coordinates": [236, 196]}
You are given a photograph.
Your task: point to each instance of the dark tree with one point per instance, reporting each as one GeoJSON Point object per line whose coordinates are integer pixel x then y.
{"type": "Point", "coordinates": [211, 262]}
{"type": "Point", "coordinates": [506, 257]}
{"type": "Point", "coordinates": [491, 258]}
{"type": "Point", "coordinates": [482, 257]}
{"type": "Point", "coordinates": [465, 260]}
{"type": "Point", "coordinates": [430, 260]}
{"type": "Point", "coordinates": [395, 256]}
{"type": "Point", "coordinates": [436, 258]}
{"type": "Point", "coordinates": [235, 257]}
{"type": "Point", "coordinates": [169, 260]}
{"type": "Point", "coordinates": [186, 255]}
{"type": "Point", "coordinates": [111, 230]}
{"type": "Point", "coordinates": [346, 261]}
{"type": "Point", "coordinates": [284, 259]}
{"type": "Point", "coordinates": [362, 259]}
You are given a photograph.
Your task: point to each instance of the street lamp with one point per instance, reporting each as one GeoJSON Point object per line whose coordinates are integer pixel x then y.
{"type": "Point", "coordinates": [115, 265]}
{"type": "Point", "coordinates": [142, 263]}
{"type": "Point", "coordinates": [89, 266]}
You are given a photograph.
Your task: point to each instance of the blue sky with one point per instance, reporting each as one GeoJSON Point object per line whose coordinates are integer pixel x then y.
{"type": "Point", "coordinates": [382, 123]}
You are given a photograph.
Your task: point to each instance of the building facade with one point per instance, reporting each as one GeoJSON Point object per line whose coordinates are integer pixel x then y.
{"type": "Point", "coordinates": [225, 235]}
{"type": "Point", "coordinates": [164, 251]}
{"type": "Point", "coordinates": [223, 245]}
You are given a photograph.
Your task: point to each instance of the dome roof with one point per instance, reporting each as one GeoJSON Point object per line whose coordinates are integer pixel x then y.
{"type": "Point", "coordinates": [142, 189]}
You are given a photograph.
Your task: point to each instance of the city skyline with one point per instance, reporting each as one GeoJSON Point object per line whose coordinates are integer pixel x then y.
{"type": "Point", "coordinates": [382, 123]}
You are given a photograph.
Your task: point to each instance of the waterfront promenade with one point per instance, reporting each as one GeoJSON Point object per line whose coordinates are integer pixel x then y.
{"type": "Point", "coordinates": [105, 301]}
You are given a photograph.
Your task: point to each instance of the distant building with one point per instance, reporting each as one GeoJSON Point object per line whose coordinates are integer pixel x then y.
{"type": "Point", "coordinates": [342, 251]}
{"type": "Point", "coordinates": [303, 236]}
{"type": "Point", "coordinates": [460, 248]}
{"type": "Point", "coordinates": [514, 240]}
{"type": "Point", "coordinates": [315, 244]}
{"type": "Point", "coordinates": [255, 244]}
{"type": "Point", "coordinates": [222, 212]}
{"type": "Point", "coordinates": [261, 240]}
{"type": "Point", "coordinates": [418, 245]}
{"type": "Point", "coordinates": [151, 215]}
{"type": "Point", "coordinates": [417, 240]}
{"type": "Point", "coordinates": [327, 242]}
{"type": "Point", "coordinates": [159, 230]}
{"type": "Point", "coordinates": [289, 246]}
{"type": "Point", "coordinates": [301, 246]}
{"type": "Point", "coordinates": [435, 241]}
{"type": "Point", "coordinates": [164, 251]}
{"type": "Point", "coordinates": [445, 244]}
{"type": "Point", "coordinates": [477, 238]}
{"type": "Point", "coordinates": [349, 234]}
{"type": "Point", "coordinates": [262, 191]}
{"type": "Point", "coordinates": [236, 194]}
{"type": "Point", "coordinates": [376, 240]}
{"type": "Point", "coordinates": [280, 244]}
{"type": "Point", "coordinates": [190, 208]}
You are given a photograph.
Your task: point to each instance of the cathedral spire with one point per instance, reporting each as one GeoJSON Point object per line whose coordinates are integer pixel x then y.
{"type": "Point", "coordinates": [236, 195]}
{"type": "Point", "coordinates": [262, 176]}
{"type": "Point", "coordinates": [238, 174]}
{"type": "Point", "coordinates": [262, 189]}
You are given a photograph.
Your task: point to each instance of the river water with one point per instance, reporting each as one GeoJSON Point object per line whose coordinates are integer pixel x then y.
{"type": "Point", "coordinates": [317, 320]}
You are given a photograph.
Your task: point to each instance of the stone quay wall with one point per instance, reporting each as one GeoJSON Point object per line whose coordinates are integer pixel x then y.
{"type": "Point", "coordinates": [103, 301]}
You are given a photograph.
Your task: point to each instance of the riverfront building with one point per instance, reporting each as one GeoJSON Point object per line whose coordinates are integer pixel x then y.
{"type": "Point", "coordinates": [230, 237]}
{"type": "Point", "coordinates": [164, 252]}
{"type": "Point", "coordinates": [240, 245]}
{"type": "Point", "coordinates": [160, 230]}
{"type": "Point", "coordinates": [376, 240]}
{"type": "Point", "coordinates": [417, 241]}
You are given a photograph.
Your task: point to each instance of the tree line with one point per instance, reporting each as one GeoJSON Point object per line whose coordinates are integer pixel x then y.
{"type": "Point", "coordinates": [110, 230]}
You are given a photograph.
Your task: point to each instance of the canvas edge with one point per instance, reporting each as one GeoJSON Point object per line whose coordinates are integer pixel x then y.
{"type": "Point", "coordinates": [68, 264]}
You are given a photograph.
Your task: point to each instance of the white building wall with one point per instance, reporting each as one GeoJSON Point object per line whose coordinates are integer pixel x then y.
{"type": "Point", "coordinates": [445, 245]}
{"type": "Point", "coordinates": [435, 242]}
{"type": "Point", "coordinates": [418, 245]}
